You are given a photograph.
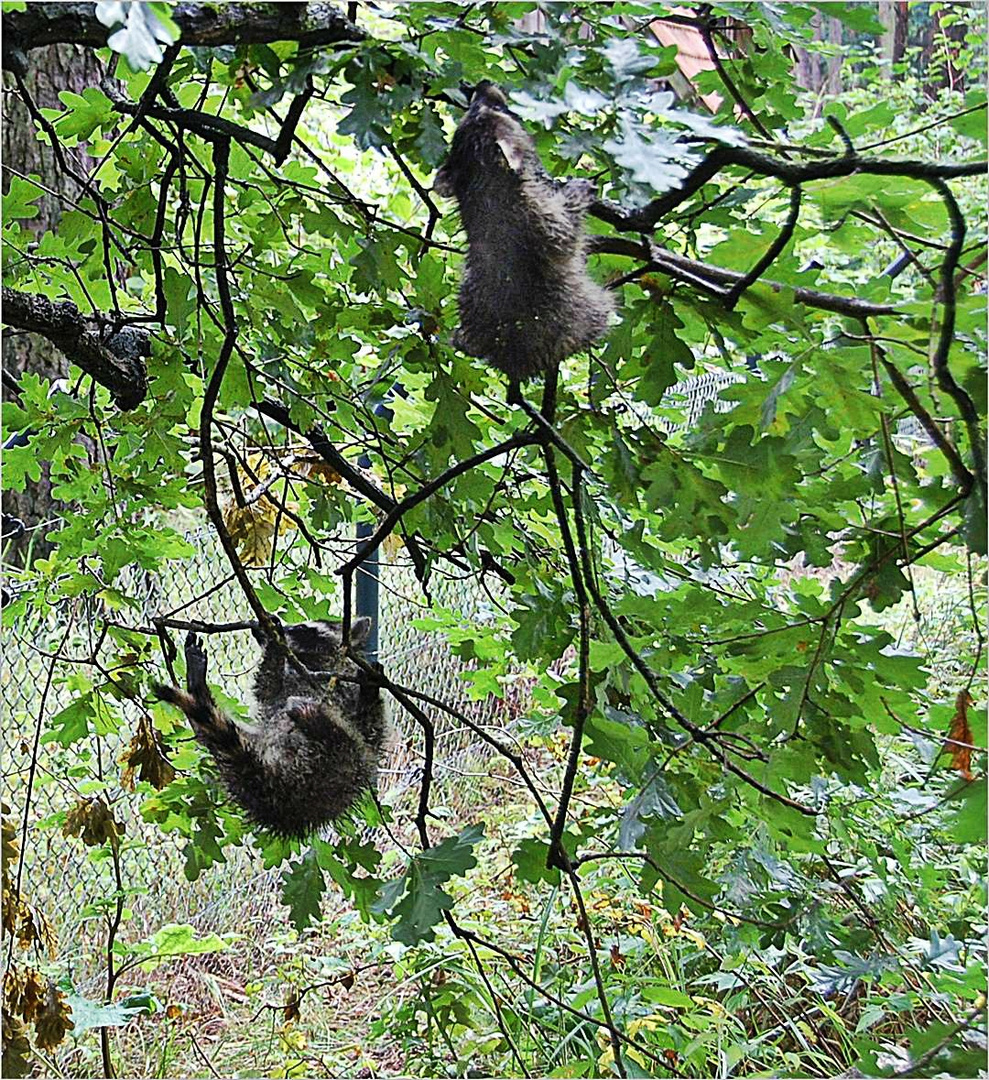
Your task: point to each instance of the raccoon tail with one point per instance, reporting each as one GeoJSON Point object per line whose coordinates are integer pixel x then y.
{"type": "Point", "coordinates": [193, 707]}
{"type": "Point", "coordinates": [212, 728]}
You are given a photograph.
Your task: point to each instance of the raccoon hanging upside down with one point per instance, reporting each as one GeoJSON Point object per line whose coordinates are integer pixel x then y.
{"type": "Point", "coordinates": [527, 301]}
{"type": "Point", "coordinates": [317, 741]}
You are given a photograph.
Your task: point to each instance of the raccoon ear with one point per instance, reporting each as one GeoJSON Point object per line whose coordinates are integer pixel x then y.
{"type": "Point", "coordinates": [443, 183]}
{"type": "Point", "coordinates": [360, 630]}
{"type": "Point", "coordinates": [513, 152]}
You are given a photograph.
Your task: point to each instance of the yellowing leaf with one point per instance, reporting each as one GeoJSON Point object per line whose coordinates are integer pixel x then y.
{"type": "Point", "coordinates": [318, 470]}
{"type": "Point", "coordinates": [93, 822]}
{"type": "Point", "coordinates": [252, 529]}
{"type": "Point", "coordinates": [392, 544]}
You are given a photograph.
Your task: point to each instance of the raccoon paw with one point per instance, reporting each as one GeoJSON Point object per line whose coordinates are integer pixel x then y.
{"type": "Point", "coordinates": [195, 663]}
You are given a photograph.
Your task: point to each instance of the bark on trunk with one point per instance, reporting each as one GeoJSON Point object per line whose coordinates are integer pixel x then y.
{"type": "Point", "coordinates": [813, 73]}
{"type": "Point", "coordinates": [893, 15]}
{"type": "Point", "coordinates": [62, 67]}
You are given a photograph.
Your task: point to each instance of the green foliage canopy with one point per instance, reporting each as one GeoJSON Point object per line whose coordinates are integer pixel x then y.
{"type": "Point", "coordinates": [714, 581]}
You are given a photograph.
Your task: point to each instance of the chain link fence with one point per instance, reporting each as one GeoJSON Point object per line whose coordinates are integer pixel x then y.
{"type": "Point", "coordinates": [46, 666]}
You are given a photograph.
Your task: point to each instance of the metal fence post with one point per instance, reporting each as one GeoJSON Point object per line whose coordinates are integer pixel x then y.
{"type": "Point", "coordinates": [366, 599]}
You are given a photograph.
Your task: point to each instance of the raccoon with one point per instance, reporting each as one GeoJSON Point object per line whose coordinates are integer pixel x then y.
{"type": "Point", "coordinates": [317, 739]}
{"type": "Point", "coordinates": [527, 301]}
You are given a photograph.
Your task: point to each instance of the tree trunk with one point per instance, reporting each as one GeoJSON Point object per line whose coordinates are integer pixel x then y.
{"type": "Point", "coordinates": [814, 75]}
{"type": "Point", "coordinates": [809, 63]}
{"type": "Point", "coordinates": [60, 67]}
{"type": "Point", "coordinates": [893, 14]}
{"type": "Point", "coordinates": [832, 81]}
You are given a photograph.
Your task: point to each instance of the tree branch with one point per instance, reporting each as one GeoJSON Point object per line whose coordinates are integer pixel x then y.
{"type": "Point", "coordinates": [708, 278]}
{"type": "Point", "coordinates": [318, 440]}
{"type": "Point", "coordinates": [557, 856]}
{"type": "Point", "coordinates": [948, 298]}
{"type": "Point", "coordinates": [210, 126]}
{"type": "Point", "coordinates": [311, 25]}
{"type": "Point", "coordinates": [728, 82]}
{"type": "Point", "coordinates": [961, 474]}
{"type": "Point", "coordinates": [771, 254]}
{"type": "Point", "coordinates": [221, 156]}
{"type": "Point", "coordinates": [394, 515]}
{"type": "Point", "coordinates": [113, 357]}
{"type": "Point", "coordinates": [649, 216]}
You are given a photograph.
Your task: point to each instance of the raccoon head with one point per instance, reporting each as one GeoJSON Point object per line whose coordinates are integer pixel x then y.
{"type": "Point", "coordinates": [489, 139]}
{"type": "Point", "coordinates": [319, 641]}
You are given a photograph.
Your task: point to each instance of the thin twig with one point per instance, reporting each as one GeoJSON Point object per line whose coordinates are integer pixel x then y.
{"type": "Point", "coordinates": [396, 513]}
{"type": "Point", "coordinates": [772, 253]}
{"type": "Point", "coordinates": [942, 372]}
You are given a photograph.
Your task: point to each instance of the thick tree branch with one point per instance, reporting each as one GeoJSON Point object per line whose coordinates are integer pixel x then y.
{"type": "Point", "coordinates": [709, 278]}
{"type": "Point", "coordinates": [311, 25]}
{"type": "Point", "coordinates": [649, 216]}
{"type": "Point", "coordinates": [113, 357]}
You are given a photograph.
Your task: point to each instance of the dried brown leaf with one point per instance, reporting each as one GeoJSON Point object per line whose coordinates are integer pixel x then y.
{"type": "Point", "coordinates": [959, 732]}
{"type": "Point", "coordinates": [145, 758]}
{"type": "Point", "coordinates": [16, 1048]}
{"type": "Point", "coordinates": [93, 821]}
{"type": "Point", "coordinates": [53, 1020]}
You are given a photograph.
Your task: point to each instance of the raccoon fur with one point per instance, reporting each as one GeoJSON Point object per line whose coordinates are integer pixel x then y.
{"type": "Point", "coordinates": [316, 741]}
{"type": "Point", "coordinates": [527, 301]}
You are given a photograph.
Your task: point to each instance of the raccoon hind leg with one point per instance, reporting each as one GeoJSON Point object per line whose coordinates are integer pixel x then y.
{"type": "Point", "coordinates": [210, 725]}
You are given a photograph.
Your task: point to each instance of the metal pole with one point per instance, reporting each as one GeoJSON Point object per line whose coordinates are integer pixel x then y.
{"type": "Point", "coordinates": [366, 592]}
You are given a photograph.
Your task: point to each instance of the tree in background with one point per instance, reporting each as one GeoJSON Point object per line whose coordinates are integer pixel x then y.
{"type": "Point", "coordinates": [57, 68]}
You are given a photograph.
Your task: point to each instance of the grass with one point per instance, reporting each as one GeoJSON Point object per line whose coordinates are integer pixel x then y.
{"type": "Point", "coordinates": [343, 998]}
